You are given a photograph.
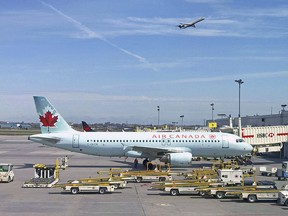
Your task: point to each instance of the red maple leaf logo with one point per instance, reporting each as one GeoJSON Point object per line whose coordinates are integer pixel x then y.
{"type": "Point", "coordinates": [49, 120]}
{"type": "Point", "coordinates": [212, 136]}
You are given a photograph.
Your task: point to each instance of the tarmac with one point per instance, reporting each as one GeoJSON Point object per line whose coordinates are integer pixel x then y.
{"type": "Point", "coordinates": [134, 200]}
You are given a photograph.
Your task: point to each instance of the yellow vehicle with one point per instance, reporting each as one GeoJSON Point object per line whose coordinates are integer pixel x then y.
{"type": "Point", "coordinates": [158, 174]}
{"type": "Point", "coordinates": [116, 182]}
{"type": "Point", "coordinates": [259, 194]}
{"type": "Point", "coordinates": [76, 187]}
{"type": "Point", "coordinates": [44, 176]}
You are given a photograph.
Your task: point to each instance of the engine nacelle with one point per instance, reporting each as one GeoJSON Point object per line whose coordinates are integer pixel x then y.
{"type": "Point", "coordinates": [178, 159]}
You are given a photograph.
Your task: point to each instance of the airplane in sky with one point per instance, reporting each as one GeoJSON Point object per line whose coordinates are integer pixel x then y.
{"type": "Point", "coordinates": [186, 25]}
{"type": "Point", "coordinates": [176, 148]}
{"type": "Point", "coordinates": [86, 127]}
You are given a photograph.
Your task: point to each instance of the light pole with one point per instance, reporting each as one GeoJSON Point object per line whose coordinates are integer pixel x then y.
{"type": "Point", "coordinates": [212, 107]}
{"type": "Point", "coordinates": [182, 116]}
{"type": "Point", "coordinates": [158, 109]}
{"type": "Point", "coordinates": [282, 112]}
{"type": "Point", "coordinates": [240, 81]}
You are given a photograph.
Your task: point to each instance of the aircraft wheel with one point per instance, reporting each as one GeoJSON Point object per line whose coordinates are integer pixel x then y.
{"type": "Point", "coordinates": [145, 162]}
{"type": "Point", "coordinates": [74, 190]}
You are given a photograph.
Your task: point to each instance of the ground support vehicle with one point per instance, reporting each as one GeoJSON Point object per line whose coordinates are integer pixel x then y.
{"type": "Point", "coordinates": [116, 182]}
{"type": "Point", "coordinates": [259, 194]}
{"type": "Point", "coordinates": [226, 177]}
{"type": "Point", "coordinates": [148, 177]}
{"type": "Point", "coordinates": [63, 162]}
{"type": "Point", "coordinates": [76, 187]}
{"type": "Point", "coordinates": [230, 177]}
{"type": "Point", "coordinates": [181, 189]}
{"type": "Point", "coordinates": [222, 192]}
{"type": "Point", "coordinates": [204, 173]}
{"type": "Point", "coordinates": [253, 196]}
{"type": "Point", "coordinates": [188, 188]}
{"type": "Point", "coordinates": [282, 174]}
{"type": "Point", "coordinates": [266, 172]}
{"type": "Point", "coordinates": [6, 172]}
{"type": "Point", "coordinates": [283, 198]}
{"type": "Point", "coordinates": [142, 175]}
{"type": "Point", "coordinates": [44, 176]}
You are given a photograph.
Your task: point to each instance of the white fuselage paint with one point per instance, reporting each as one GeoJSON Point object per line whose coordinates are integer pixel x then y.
{"type": "Point", "coordinates": [118, 144]}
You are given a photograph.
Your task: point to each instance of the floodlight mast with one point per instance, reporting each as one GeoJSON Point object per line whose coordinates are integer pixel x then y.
{"type": "Point", "coordinates": [240, 82]}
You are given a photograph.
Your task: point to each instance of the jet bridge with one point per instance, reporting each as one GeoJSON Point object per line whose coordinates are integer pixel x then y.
{"type": "Point", "coordinates": [267, 139]}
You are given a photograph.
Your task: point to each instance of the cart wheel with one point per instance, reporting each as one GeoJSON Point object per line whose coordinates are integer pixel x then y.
{"type": "Point", "coordinates": [74, 190]}
{"type": "Point", "coordinates": [202, 193]}
{"type": "Point", "coordinates": [252, 198]}
{"type": "Point", "coordinates": [139, 179]}
{"type": "Point", "coordinates": [220, 194]}
{"type": "Point", "coordinates": [174, 192]}
{"type": "Point", "coordinates": [102, 190]}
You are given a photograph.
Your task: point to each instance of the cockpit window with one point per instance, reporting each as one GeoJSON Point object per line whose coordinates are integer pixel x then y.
{"type": "Point", "coordinates": [239, 140]}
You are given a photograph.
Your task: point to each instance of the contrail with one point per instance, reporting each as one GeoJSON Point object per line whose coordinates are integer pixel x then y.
{"type": "Point", "coordinates": [93, 34]}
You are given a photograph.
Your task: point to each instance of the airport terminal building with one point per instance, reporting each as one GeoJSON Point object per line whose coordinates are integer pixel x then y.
{"type": "Point", "coordinates": [256, 120]}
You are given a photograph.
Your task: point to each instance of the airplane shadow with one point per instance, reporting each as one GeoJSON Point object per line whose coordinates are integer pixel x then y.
{"type": "Point", "coordinates": [25, 166]}
{"type": "Point", "coordinates": [169, 195]}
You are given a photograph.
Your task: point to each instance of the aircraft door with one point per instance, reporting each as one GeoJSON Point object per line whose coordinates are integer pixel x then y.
{"type": "Point", "coordinates": [75, 141]}
{"type": "Point", "coordinates": [225, 142]}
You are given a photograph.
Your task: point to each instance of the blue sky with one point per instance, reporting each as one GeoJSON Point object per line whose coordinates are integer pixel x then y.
{"type": "Point", "coordinates": [111, 60]}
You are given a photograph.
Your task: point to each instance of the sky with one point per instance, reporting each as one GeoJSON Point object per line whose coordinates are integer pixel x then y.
{"type": "Point", "coordinates": [116, 61]}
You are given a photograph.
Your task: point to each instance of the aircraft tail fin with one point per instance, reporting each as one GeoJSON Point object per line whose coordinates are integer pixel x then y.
{"type": "Point", "coordinates": [50, 119]}
{"type": "Point", "coordinates": [86, 127]}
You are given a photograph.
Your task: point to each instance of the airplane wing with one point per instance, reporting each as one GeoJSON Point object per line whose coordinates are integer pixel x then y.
{"type": "Point", "coordinates": [157, 152]}
{"type": "Point", "coordinates": [51, 140]}
{"type": "Point", "coordinates": [199, 20]}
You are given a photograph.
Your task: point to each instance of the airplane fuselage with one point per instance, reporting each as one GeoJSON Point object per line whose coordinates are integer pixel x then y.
{"type": "Point", "coordinates": [120, 144]}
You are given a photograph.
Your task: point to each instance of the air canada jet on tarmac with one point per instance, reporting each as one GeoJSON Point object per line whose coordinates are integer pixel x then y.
{"type": "Point", "coordinates": [186, 25]}
{"type": "Point", "coordinates": [176, 148]}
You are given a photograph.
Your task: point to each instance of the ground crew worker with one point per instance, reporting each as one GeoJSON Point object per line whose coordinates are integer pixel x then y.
{"type": "Point", "coordinates": [135, 163]}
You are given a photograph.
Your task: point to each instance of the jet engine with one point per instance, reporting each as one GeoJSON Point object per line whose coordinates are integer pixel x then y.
{"type": "Point", "coordinates": [178, 159]}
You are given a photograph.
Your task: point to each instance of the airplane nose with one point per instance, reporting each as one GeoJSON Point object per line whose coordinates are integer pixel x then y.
{"type": "Point", "coordinates": [248, 147]}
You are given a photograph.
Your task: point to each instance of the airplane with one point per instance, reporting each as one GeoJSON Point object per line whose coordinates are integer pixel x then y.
{"type": "Point", "coordinates": [86, 127]}
{"type": "Point", "coordinates": [186, 25]}
{"type": "Point", "coordinates": [176, 148]}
